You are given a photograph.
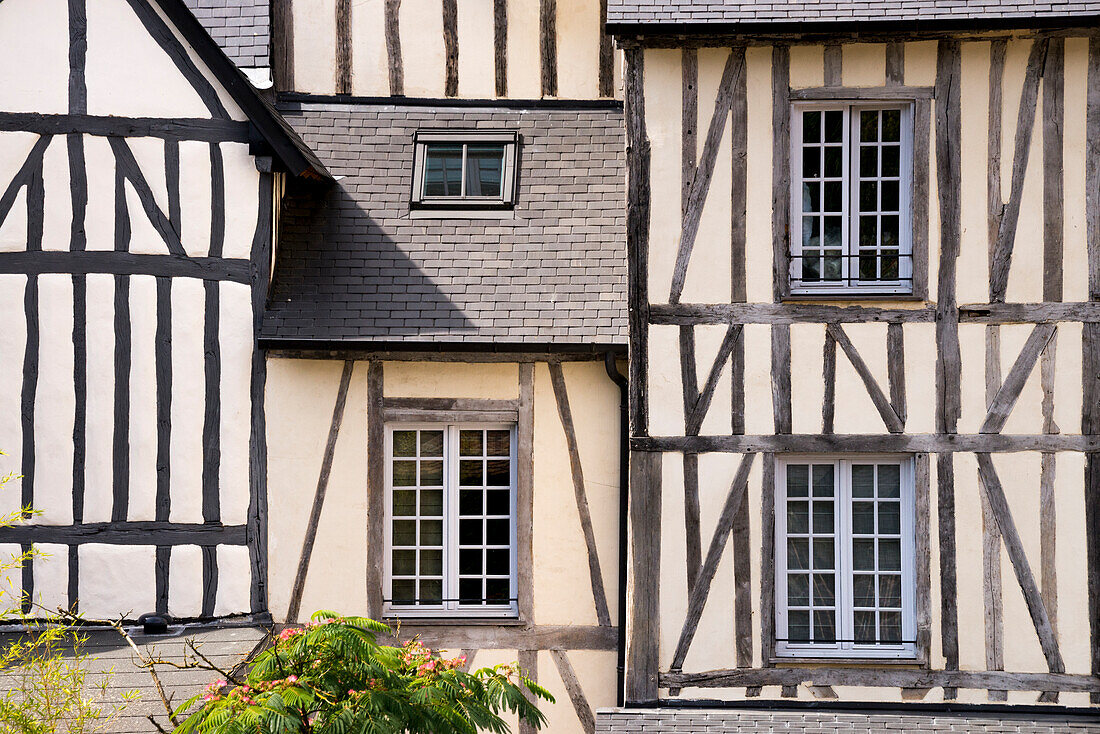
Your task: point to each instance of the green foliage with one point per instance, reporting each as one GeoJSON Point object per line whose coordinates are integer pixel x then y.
{"type": "Point", "coordinates": [332, 677]}
{"type": "Point", "coordinates": [44, 688]}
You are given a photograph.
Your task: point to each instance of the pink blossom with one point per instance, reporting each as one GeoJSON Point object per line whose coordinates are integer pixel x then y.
{"type": "Point", "coordinates": [292, 679]}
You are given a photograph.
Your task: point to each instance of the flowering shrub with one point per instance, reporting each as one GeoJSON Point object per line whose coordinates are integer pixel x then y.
{"type": "Point", "coordinates": [332, 677]}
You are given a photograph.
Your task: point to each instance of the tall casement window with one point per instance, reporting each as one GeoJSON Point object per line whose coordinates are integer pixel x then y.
{"type": "Point", "coordinates": [845, 557]}
{"type": "Point", "coordinates": [451, 506]}
{"type": "Point", "coordinates": [851, 228]}
{"type": "Point", "coordinates": [464, 170]}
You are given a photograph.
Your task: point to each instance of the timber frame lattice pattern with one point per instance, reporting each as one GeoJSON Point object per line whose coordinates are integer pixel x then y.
{"type": "Point", "coordinates": [936, 110]}
{"type": "Point", "coordinates": [72, 130]}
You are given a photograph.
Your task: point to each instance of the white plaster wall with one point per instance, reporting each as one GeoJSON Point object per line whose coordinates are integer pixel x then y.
{"type": "Point", "coordinates": [54, 402]}
{"type": "Point", "coordinates": [149, 154]}
{"type": "Point", "coordinates": [234, 580]}
{"type": "Point", "coordinates": [188, 399]}
{"type": "Point", "coordinates": [14, 148]}
{"type": "Point", "coordinates": [315, 46]}
{"type": "Point", "coordinates": [421, 24]}
{"type": "Point", "coordinates": [143, 399]}
{"type": "Point", "coordinates": [578, 38]}
{"type": "Point", "coordinates": [13, 339]}
{"type": "Point", "coordinates": [662, 92]}
{"type": "Point", "coordinates": [522, 53]}
{"type": "Point", "coordinates": [242, 198]}
{"type": "Point", "coordinates": [185, 581]}
{"type": "Point", "coordinates": [864, 64]}
{"type": "Point", "coordinates": [99, 218]}
{"type": "Point", "coordinates": [51, 577]}
{"type": "Point", "coordinates": [116, 580]}
{"type": "Point", "coordinates": [972, 283]}
{"type": "Point", "coordinates": [476, 71]}
{"type": "Point", "coordinates": [195, 195]}
{"type": "Point", "coordinates": [758, 162]}
{"type": "Point", "coordinates": [369, 65]}
{"type": "Point", "coordinates": [235, 340]}
{"type": "Point", "coordinates": [46, 90]}
{"type": "Point", "coordinates": [807, 66]}
{"type": "Point", "coordinates": [1074, 279]}
{"type": "Point", "coordinates": [57, 203]}
{"type": "Point", "coordinates": [452, 380]}
{"type": "Point", "coordinates": [98, 471]}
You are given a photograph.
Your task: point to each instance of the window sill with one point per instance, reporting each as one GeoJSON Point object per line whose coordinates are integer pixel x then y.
{"type": "Point", "coordinates": [865, 662]}
{"type": "Point", "coordinates": [462, 214]}
{"type": "Point", "coordinates": [853, 297]}
{"type": "Point", "coordinates": [412, 621]}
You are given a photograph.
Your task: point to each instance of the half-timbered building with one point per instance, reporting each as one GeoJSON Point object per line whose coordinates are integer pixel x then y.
{"type": "Point", "coordinates": [864, 253]}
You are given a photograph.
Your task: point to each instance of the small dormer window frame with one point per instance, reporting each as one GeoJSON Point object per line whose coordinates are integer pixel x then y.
{"type": "Point", "coordinates": [424, 142]}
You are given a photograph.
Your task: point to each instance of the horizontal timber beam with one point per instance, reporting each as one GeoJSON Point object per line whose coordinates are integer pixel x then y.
{"type": "Point", "coordinates": [1030, 313]}
{"type": "Point", "coordinates": [124, 263]}
{"type": "Point", "coordinates": [459, 404]}
{"type": "Point", "coordinates": [875, 442]}
{"type": "Point", "coordinates": [495, 636]}
{"type": "Point", "coordinates": [841, 92]}
{"type": "Point", "coordinates": [686, 314]}
{"type": "Point", "coordinates": [127, 533]}
{"type": "Point", "coordinates": [200, 129]}
{"type": "Point", "coordinates": [993, 679]}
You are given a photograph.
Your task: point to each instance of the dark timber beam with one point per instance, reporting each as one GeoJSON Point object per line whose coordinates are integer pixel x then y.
{"type": "Point", "coordinates": [199, 129]}
{"type": "Point", "coordinates": [637, 238]}
{"type": "Point", "coordinates": [875, 442]}
{"type": "Point", "coordinates": [500, 46]}
{"type": "Point", "coordinates": [1090, 412]}
{"type": "Point", "coordinates": [127, 533]}
{"type": "Point", "coordinates": [642, 653]}
{"type": "Point", "coordinates": [870, 677]}
{"type": "Point", "coordinates": [124, 263]}
{"type": "Point", "coordinates": [393, 47]}
{"type": "Point", "coordinates": [548, 47]}
{"type": "Point", "coordinates": [343, 47]}
{"type": "Point", "coordinates": [450, 47]}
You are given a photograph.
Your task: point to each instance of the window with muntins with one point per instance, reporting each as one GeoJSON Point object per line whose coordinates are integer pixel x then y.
{"type": "Point", "coordinates": [451, 508]}
{"type": "Point", "coordinates": [464, 170]}
{"type": "Point", "coordinates": [851, 229]}
{"type": "Point", "coordinates": [845, 558]}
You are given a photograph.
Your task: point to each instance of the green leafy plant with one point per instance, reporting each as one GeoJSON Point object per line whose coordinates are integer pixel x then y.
{"type": "Point", "coordinates": [44, 685]}
{"type": "Point", "coordinates": [333, 677]}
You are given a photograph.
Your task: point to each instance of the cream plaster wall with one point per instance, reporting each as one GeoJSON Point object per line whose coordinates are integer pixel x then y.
{"type": "Point", "coordinates": [369, 65]}
{"type": "Point", "coordinates": [315, 46]}
{"type": "Point", "coordinates": [46, 90]}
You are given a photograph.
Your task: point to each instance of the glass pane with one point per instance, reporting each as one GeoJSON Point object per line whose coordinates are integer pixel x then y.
{"type": "Point", "coordinates": [431, 473]}
{"type": "Point", "coordinates": [811, 162]}
{"type": "Point", "coordinates": [469, 561]}
{"type": "Point", "coordinates": [834, 161]}
{"type": "Point", "coordinates": [823, 480]}
{"type": "Point", "coordinates": [496, 590]}
{"type": "Point", "coordinates": [868, 196]}
{"type": "Point", "coordinates": [863, 589]}
{"type": "Point", "coordinates": [469, 473]}
{"type": "Point", "coordinates": [798, 480]}
{"type": "Point", "coordinates": [431, 502]}
{"type": "Point", "coordinates": [431, 443]}
{"type": "Point", "coordinates": [498, 473]}
{"type": "Point", "coordinates": [811, 196]}
{"type": "Point", "coordinates": [823, 517]}
{"type": "Point", "coordinates": [889, 555]}
{"type": "Point", "coordinates": [863, 555]}
{"type": "Point", "coordinates": [404, 532]}
{"type": "Point", "coordinates": [824, 555]}
{"type": "Point", "coordinates": [431, 532]}
{"type": "Point", "coordinates": [833, 265]}
{"type": "Point", "coordinates": [863, 518]}
{"type": "Point", "coordinates": [834, 126]}
{"type": "Point", "coordinates": [404, 502]}
{"type": "Point", "coordinates": [868, 161]}
{"type": "Point", "coordinates": [889, 480]}
{"type": "Point", "coordinates": [470, 502]}
{"type": "Point", "coordinates": [484, 170]}
{"type": "Point", "coordinates": [403, 591]}
{"type": "Point", "coordinates": [431, 592]}
{"type": "Point", "coordinates": [798, 590]}
{"type": "Point", "coordinates": [811, 266]}
{"type": "Point", "coordinates": [891, 125]}
{"type": "Point", "coordinates": [834, 196]}
{"type": "Point", "coordinates": [469, 532]}
{"type": "Point", "coordinates": [404, 443]}
{"type": "Point", "coordinates": [469, 443]}
{"type": "Point", "coordinates": [891, 230]}
{"type": "Point", "coordinates": [889, 264]}
{"type": "Point", "coordinates": [404, 473]}
{"type": "Point", "coordinates": [868, 266]}
{"type": "Point", "coordinates": [889, 518]}
{"type": "Point", "coordinates": [798, 517]}
{"type": "Point", "coordinates": [824, 591]}
{"type": "Point", "coordinates": [890, 196]}
{"type": "Point", "coordinates": [865, 627]}
{"type": "Point", "coordinates": [868, 234]}
{"type": "Point", "coordinates": [868, 125]}
{"type": "Point", "coordinates": [889, 626]}
{"type": "Point", "coordinates": [497, 502]}
{"type": "Point", "coordinates": [811, 126]}
{"type": "Point", "coordinates": [798, 554]}
{"type": "Point", "coordinates": [824, 625]}
{"type": "Point", "coordinates": [498, 443]}
{"type": "Point", "coordinates": [431, 563]}
{"type": "Point", "coordinates": [497, 532]}
{"type": "Point", "coordinates": [811, 231]}
{"type": "Point", "coordinates": [891, 161]}
{"type": "Point", "coordinates": [889, 591]}
{"type": "Point", "coordinates": [798, 626]}
{"type": "Point", "coordinates": [404, 562]}
{"type": "Point", "coordinates": [443, 170]}
{"type": "Point", "coordinates": [863, 480]}
{"type": "Point", "coordinates": [497, 562]}
{"type": "Point", "coordinates": [469, 591]}
{"type": "Point", "coordinates": [834, 232]}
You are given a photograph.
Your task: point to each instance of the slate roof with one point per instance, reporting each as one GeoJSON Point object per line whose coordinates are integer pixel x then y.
{"type": "Point", "coordinates": [241, 27]}
{"type": "Point", "coordinates": [109, 657]}
{"type": "Point", "coordinates": [351, 265]}
{"type": "Point", "coordinates": [625, 12]}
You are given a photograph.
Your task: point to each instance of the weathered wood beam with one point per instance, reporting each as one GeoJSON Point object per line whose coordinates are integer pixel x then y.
{"type": "Point", "coordinates": [525, 492]}
{"type": "Point", "coordinates": [127, 533]}
{"type": "Point", "coordinates": [637, 238]}
{"type": "Point", "coordinates": [833, 58]}
{"type": "Point", "coordinates": [1090, 411]}
{"type": "Point", "coordinates": [124, 263]}
{"type": "Point", "coordinates": [516, 637]}
{"type": "Point", "coordinates": [393, 48]}
{"type": "Point", "coordinates": [880, 678]}
{"type": "Point", "coordinates": [607, 56]}
{"type": "Point", "coordinates": [871, 93]}
{"type": "Point", "coordinates": [875, 442]}
{"type": "Point", "coordinates": [992, 592]}
{"type": "Point", "coordinates": [767, 559]}
{"type": "Point", "coordinates": [948, 164]}
{"type": "Point", "coordinates": [922, 530]}
{"type": "Point", "coordinates": [31, 168]}
{"type": "Point", "coordinates": [128, 165]}
{"type": "Point", "coordinates": [376, 492]}
{"type": "Point", "coordinates": [949, 611]}
{"type": "Point", "coordinates": [573, 689]}
{"type": "Point", "coordinates": [781, 377]}
{"type": "Point", "coordinates": [783, 313]}
{"type": "Point", "coordinates": [1009, 393]}
{"type": "Point", "coordinates": [828, 376]}
{"type": "Point", "coordinates": [1015, 548]}
{"type": "Point", "coordinates": [689, 123]}
{"type": "Point", "coordinates": [642, 654]}
{"type": "Point", "coordinates": [922, 124]}
{"type": "Point", "coordinates": [781, 162]}
{"type": "Point", "coordinates": [561, 397]}
{"type": "Point", "coordinates": [344, 46]}
{"type": "Point", "coordinates": [500, 46]}
{"type": "Point", "coordinates": [548, 47]}
{"type": "Point", "coordinates": [895, 63]}
{"type": "Point", "coordinates": [1053, 171]}
{"type": "Point", "coordinates": [882, 404]}
{"type": "Point", "coordinates": [703, 399]}
{"type": "Point", "coordinates": [529, 668]}
{"type": "Point", "coordinates": [1030, 313]}
{"type": "Point", "coordinates": [692, 536]}
{"type": "Point", "coordinates": [282, 44]}
{"type": "Point", "coordinates": [895, 368]}
{"type": "Point", "coordinates": [701, 178]}
{"type": "Point", "coordinates": [450, 47]}
{"type": "Point", "coordinates": [199, 129]}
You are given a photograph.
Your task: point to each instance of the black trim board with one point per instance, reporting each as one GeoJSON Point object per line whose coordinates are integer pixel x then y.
{"type": "Point", "coordinates": [325, 348]}
{"type": "Point", "coordinates": [293, 101]}
{"type": "Point", "coordinates": [973, 710]}
{"type": "Point", "coordinates": [295, 156]}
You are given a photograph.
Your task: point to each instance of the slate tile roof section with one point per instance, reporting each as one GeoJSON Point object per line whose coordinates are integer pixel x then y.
{"type": "Point", "coordinates": [623, 12]}
{"type": "Point", "coordinates": [241, 27]}
{"type": "Point", "coordinates": [353, 266]}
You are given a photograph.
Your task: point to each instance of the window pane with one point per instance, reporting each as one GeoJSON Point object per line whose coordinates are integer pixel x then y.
{"type": "Point", "coordinates": [469, 443]}
{"type": "Point", "coordinates": [404, 443]}
{"type": "Point", "coordinates": [403, 591]}
{"type": "Point", "coordinates": [469, 473]}
{"type": "Point", "coordinates": [798, 626]}
{"type": "Point", "coordinates": [404, 562]}
{"type": "Point", "coordinates": [863, 518]}
{"type": "Point", "coordinates": [889, 629]}
{"type": "Point", "coordinates": [431, 502]}
{"type": "Point", "coordinates": [404, 473]}
{"type": "Point", "coordinates": [833, 265]}
{"type": "Point", "coordinates": [443, 170]}
{"type": "Point", "coordinates": [484, 170]}
{"type": "Point", "coordinates": [811, 196]}
{"type": "Point", "coordinates": [834, 196]}
{"type": "Point", "coordinates": [889, 555]}
{"type": "Point", "coordinates": [497, 562]}
{"type": "Point", "coordinates": [798, 554]}
{"type": "Point", "coordinates": [824, 554]}
{"type": "Point", "coordinates": [798, 517]}
{"type": "Point", "coordinates": [891, 125]}
{"type": "Point", "coordinates": [498, 473]}
{"type": "Point", "coordinates": [470, 502]}
{"type": "Point", "coordinates": [431, 473]}
{"type": "Point", "coordinates": [404, 502]}
{"type": "Point", "coordinates": [496, 590]}
{"type": "Point", "coordinates": [811, 232]}
{"type": "Point", "coordinates": [497, 532]}
{"type": "Point", "coordinates": [431, 532]}
{"type": "Point", "coordinates": [863, 480]}
{"type": "Point", "coordinates": [834, 126]}
{"type": "Point", "coordinates": [889, 591]}
{"type": "Point", "coordinates": [404, 532]}
{"type": "Point", "coordinates": [431, 563]}
{"type": "Point", "coordinates": [823, 480]}
{"type": "Point", "coordinates": [868, 125]}
{"type": "Point", "coordinates": [865, 627]}
{"type": "Point", "coordinates": [868, 160]}
{"type": "Point", "coordinates": [798, 480]}
{"type": "Point", "coordinates": [431, 592]}
{"type": "Point", "coordinates": [824, 591]}
{"type": "Point", "coordinates": [811, 162]}
{"type": "Point", "coordinates": [891, 161]}
{"type": "Point", "coordinates": [497, 502]}
{"type": "Point", "coordinates": [469, 591]}
{"type": "Point", "coordinates": [890, 196]}
{"type": "Point", "coordinates": [798, 590]}
{"type": "Point", "coordinates": [834, 161]}
{"type": "Point", "coordinates": [891, 230]}
{"type": "Point", "coordinates": [889, 518]}
{"type": "Point", "coordinates": [863, 555]}
{"type": "Point", "coordinates": [834, 232]}
{"type": "Point", "coordinates": [863, 590]}
{"type": "Point", "coordinates": [498, 443]}
{"type": "Point", "coordinates": [469, 561]}
{"type": "Point", "coordinates": [889, 480]}
{"type": "Point", "coordinates": [811, 126]}
{"type": "Point", "coordinates": [868, 196]}
{"type": "Point", "coordinates": [824, 625]}
{"type": "Point", "coordinates": [431, 443]}
{"type": "Point", "coordinates": [469, 532]}
{"type": "Point", "coordinates": [823, 517]}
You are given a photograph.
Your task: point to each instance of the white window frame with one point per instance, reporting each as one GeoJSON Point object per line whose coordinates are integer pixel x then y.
{"type": "Point", "coordinates": [464, 138]}
{"type": "Point", "coordinates": [847, 285]}
{"type": "Point", "coordinates": [451, 609]}
{"type": "Point", "coordinates": [842, 531]}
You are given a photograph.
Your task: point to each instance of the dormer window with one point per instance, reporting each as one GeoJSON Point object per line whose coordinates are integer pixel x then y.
{"type": "Point", "coordinates": [464, 170]}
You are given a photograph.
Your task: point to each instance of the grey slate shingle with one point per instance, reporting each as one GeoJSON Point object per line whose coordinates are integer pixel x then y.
{"type": "Point", "coordinates": [352, 264]}
{"type": "Point", "coordinates": [241, 27]}
{"type": "Point", "coordinates": [839, 11]}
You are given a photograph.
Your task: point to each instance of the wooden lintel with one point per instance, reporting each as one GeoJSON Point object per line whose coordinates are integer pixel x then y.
{"type": "Point", "coordinates": [833, 93]}
{"type": "Point", "coordinates": [127, 533]}
{"type": "Point", "coordinates": [511, 636]}
{"type": "Point", "coordinates": [874, 443]}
